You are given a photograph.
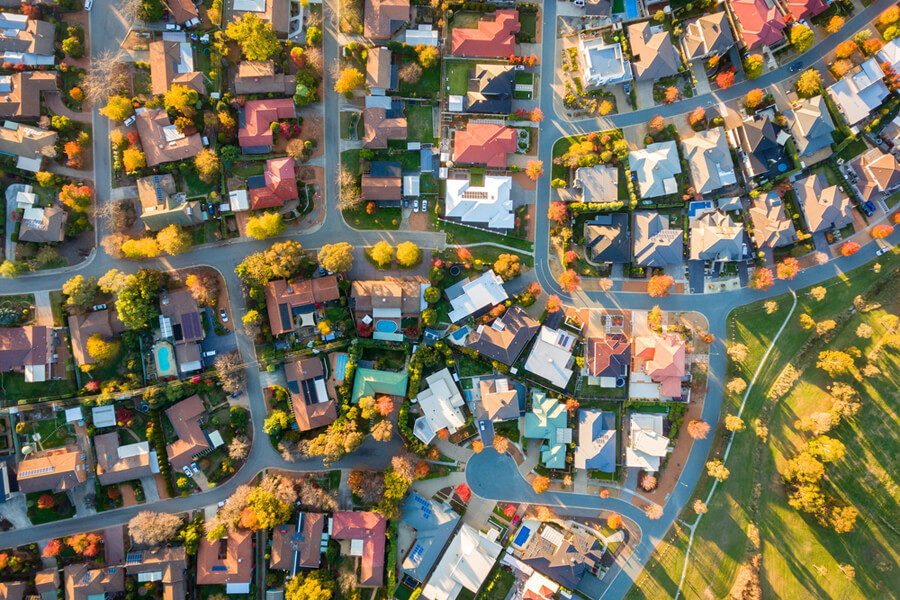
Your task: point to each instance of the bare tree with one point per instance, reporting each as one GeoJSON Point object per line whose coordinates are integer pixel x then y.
{"type": "Point", "coordinates": [105, 77]}
{"type": "Point", "coordinates": [129, 10]}
{"type": "Point", "coordinates": [231, 372]}
{"type": "Point", "coordinates": [153, 528]}
{"type": "Point", "coordinates": [239, 448]}
{"type": "Point", "coordinates": [351, 196]}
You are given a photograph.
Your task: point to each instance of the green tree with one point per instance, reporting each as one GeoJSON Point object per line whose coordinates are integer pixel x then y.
{"type": "Point", "coordinates": [429, 317]}
{"type": "Point", "coordinates": [151, 11]}
{"type": "Point", "coordinates": [313, 36]}
{"type": "Point", "coordinates": [137, 299]}
{"type": "Point", "coordinates": [102, 351]}
{"type": "Point", "coordinates": [382, 253]}
{"type": "Point", "coordinates": [73, 47]}
{"type": "Point", "coordinates": [314, 585]}
{"type": "Point", "coordinates": [255, 37]}
{"type": "Point", "coordinates": [432, 295]}
{"type": "Point", "coordinates": [801, 37]}
{"type": "Point", "coordinates": [337, 258]}
{"type": "Point", "coordinates": [286, 258]}
{"type": "Point", "coordinates": [118, 108]}
{"type": "Point", "coordinates": [276, 422]}
{"type": "Point", "coordinates": [81, 290]}
{"type": "Point", "coordinates": [181, 99]}
{"type": "Point", "coordinates": [428, 55]}
{"type": "Point", "coordinates": [174, 240]}
{"type": "Point", "coordinates": [264, 226]}
{"type": "Point", "coordinates": [254, 270]}
{"type": "Point", "coordinates": [408, 254]}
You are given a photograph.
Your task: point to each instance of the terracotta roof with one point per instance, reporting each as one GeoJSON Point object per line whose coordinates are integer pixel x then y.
{"type": "Point", "coordinates": [229, 560]}
{"type": "Point", "coordinates": [803, 9]}
{"type": "Point", "coordinates": [381, 188]}
{"type": "Point", "coordinates": [259, 77]}
{"type": "Point", "coordinates": [608, 356]}
{"type": "Point", "coordinates": [384, 17]}
{"type": "Point", "coordinates": [280, 179]}
{"type": "Point", "coordinates": [161, 141]}
{"type": "Point", "coordinates": [760, 23]}
{"type": "Point", "coordinates": [167, 563]}
{"type": "Point", "coordinates": [182, 10]}
{"type": "Point", "coordinates": [378, 128]}
{"type": "Point", "coordinates": [878, 173]}
{"type": "Point", "coordinates": [24, 346]}
{"type": "Point", "coordinates": [23, 98]}
{"type": "Point", "coordinates": [771, 226]}
{"type": "Point", "coordinates": [283, 297]}
{"type": "Point", "coordinates": [259, 116]}
{"type": "Point", "coordinates": [662, 358]}
{"type": "Point", "coordinates": [165, 59]}
{"type": "Point", "coordinates": [307, 543]}
{"type": "Point", "coordinates": [310, 409]}
{"type": "Point", "coordinates": [370, 528]}
{"type": "Point", "coordinates": [104, 323]}
{"type": "Point", "coordinates": [115, 467]}
{"type": "Point", "coordinates": [484, 143]}
{"type": "Point", "coordinates": [378, 68]}
{"type": "Point", "coordinates": [494, 37]}
{"type": "Point", "coordinates": [370, 294]}
{"type": "Point", "coordinates": [82, 581]}
{"type": "Point", "coordinates": [185, 417]}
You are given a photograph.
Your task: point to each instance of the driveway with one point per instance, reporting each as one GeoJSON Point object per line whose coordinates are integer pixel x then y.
{"type": "Point", "coordinates": [696, 276]}
{"type": "Point", "coordinates": [43, 309]}
{"type": "Point", "coordinates": [644, 93]}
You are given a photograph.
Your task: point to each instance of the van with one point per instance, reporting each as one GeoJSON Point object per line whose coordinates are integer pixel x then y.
{"type": "Point", "coordinates": [209, 354]}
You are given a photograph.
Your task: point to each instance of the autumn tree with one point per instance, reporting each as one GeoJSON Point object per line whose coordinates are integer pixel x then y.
{"type": "Point", "coordinates": [734, 423]}
{"type": "Point", "coordinates": [153, 528]}
{"type": "Point", "coordinates": [536, 115]}
{"type": "Point", "coordinates": [204, 288]}
{"type": "Point", "coordinates": [770, 307]}
{"type": "Point", "coordinates": [882, 231]}
{"type": "Point", "coordinates": [265, 225]}
{"type": "Point", "coordinates": [231, 372]}
{"type": "Point", "coordinates": [654, 512]}
{"type": "Point", "coordinates": [381, 431]}
{"type": "Point", "coordinates": [317, 584]}
{"type": "Point", "coordinates": [572, 406]}
{"type": "Point", "coordinates": [700, 507]}
{"type": "Point", "coordinates": [501, 444]}
{"type": "Point", "coordinates": [118, 108]}
{"type": "Point", "coordinates": [849, 248]}
{"type": "Point", "coordinates": [738, 352]}
{"type": "Point", "coordinates": [508, 266]}
{"type": "Point", "coordinates": [671, 94]}
{"type": "Point", "coordinates": [836, 362]}
{"type": "Point", "coordinates": [428, 56]}
{"type": "Point", "coordinates": [761, 279]}
{"type": "Point", "coordinates": [174, 239]}
{"type": "Point", "coordinates": [207, 164]}
{"type": "Point", "coordinates": [753, 66]}
{"type": "Point", "coordinates": [101, 350]}
{"type": "Point", "coordinates": [337, 257]}
{"type": "Point", "coordinates": [656, 124]}
{"type": "Point", "coordinates": [382, 253]}
{"type": "Point", "coordinates": [697, 116]}
{"type": "Point", "coordinates": [569, 281]}
{"type": "Point", "coordinates": [810, 83]}
{"type": "Point", "coordinates": [341, 438]}
{"type": "Point", "coordinates": [717, 470]}
{"type": "Point", "coordinates": [725, 79]}
{"type": "Point", "coordinates": [787, 268]}
{"type": "Point", "coordinates": [553, 304]}
{"type": "Point", "coordinates": [408, 254]}
{"type": "Point", "coordinates": [614, 521]}
{"type": "Point", "coordinates": [659, 285]}
{"type": "Point", "coordinates": [349, 79]}
{"type": "Point", "coordinates": [845, 49]}
{"type": "Point", "coordinates": [801, 37]}
{"type": "Point", "coordinates": [834, 24]}
{"type": "Point", "coordinates": [558, 212]}
{"type": "Point", "coordinates": [238, 448]}
{"type": "Point", "coordinates": [255, 37]}
{"type": "Point", "coordinates": [534, 169]}
{"type": "Point", "coordinates": [753, 98]}
{"type": "Point", "coordinates": [477, 446]}
{"type": "Point", "coordinates": [540, 484]}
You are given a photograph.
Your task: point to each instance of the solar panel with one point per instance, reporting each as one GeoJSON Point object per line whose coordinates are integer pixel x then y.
{"type": "Point", "coordinates": [219, 568]}
{"type": "Point", "coordinates": [293, 387]}
{"type": "Point", "coordinates": [190, 325]}
{"type": "Point", "coordinates": [134, 558]}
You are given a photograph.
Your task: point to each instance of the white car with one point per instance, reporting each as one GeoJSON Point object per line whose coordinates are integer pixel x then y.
{"type": "Point", "coordinates": [88, 4]}
{"type": "Point", "coordinates": [195, 468]}
{"type": "Point", "coordinates": [881, 251]}
{"type": "Point", "coordinates": [130, 121]}
{"type": "Point", "coordinates": [416, 206]}
{"type": "Point", "coordinates": [223, 314]}
{"type": "Point", "coordinates": [424, 205]}
{"type": "Point", "coordinates": [187, 471]}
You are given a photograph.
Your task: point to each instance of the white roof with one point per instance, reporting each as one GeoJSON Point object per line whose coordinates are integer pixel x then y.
{"type": "Point", "coordinates": [239, 200]}
{"type": "Point", "coordinates": [465, 564]}
{"type": "Point", "coordinates": [861, 92]}
{"type": "Point", "coordinates": [136, 449]}
{"type": "Point", "coordinates": [602, 63]}
{"type": "Point", "coordinates": [551, 356]}
{"type": "Point", "coordinates": [488, 205]}
{"type": "Point", "coordinates": [216, 438]}
{"type": "Point", "coordinates": [25, 199]}
{"type": "Point", "coordinates": [29, 164]}
{"type": "Point", "coordinates": [423, 431]}
{"type": "Point", "coordinates": [411, 185]}
{"type": "Point", "coordinates": [647, 444]}
{"type": "Point", "coordinates": [74, 414]}
{"type": "Point", "coordinates": [423, 34]}
{"type": "Point", "coordinates": [250, 5]}
{"type": "Point", "coordinates": [104, 416]}
{"type": "Point", "coordinates": [35, 373]}
{"type": "Point", "coordinates": [455, 103]}
{"type": "Point", "coordinates": [485, 290]}
{"type": "Point", "coordinates": [440, 402]}
{"type": "Point", "coordinates": [237, 588]}
{"type": "Point", "coordinates": [656, 167]}
{"type": "Point", "coordinates": [890, 53]}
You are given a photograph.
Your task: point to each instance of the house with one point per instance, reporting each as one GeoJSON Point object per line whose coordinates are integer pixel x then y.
{"type": "Point", "coordinates": [43, 225]}
{"type": "Point", "coordinates": [654, 56]}
{"type": "Point", "coordinates": [860, 92]}
{"type": "Point", "coordinates": [27, 144]}
{"type": "Point", "coordinates": [564, 555]}
{"type": "Point", "coordinates": [179, 320]}
{"type": "Point", "coordinates": [383, 183]}
{"type": "Point", "coordinates": [381, 75]}
{"type": "Point", "coordinates": [384, 18]}
{"type": "Point", "coordinates": [383, 120]}
{"type": "Point", "coordinates": [500, 399]}
{"type": "Point", "coordinates": [475, 296]}
{"type": "Point", "coordinates": [184, 12]}
{"type": "Point", "coordinates": [161, 141]}
{"type": "Point", "coordinates": [659, 362]}
{"type": "Point", "coordinates": [365, 532]}
{"type": "Point", "coordinates": [46, 583]}
{"type": "Point", "coordinates": [759, 143]}
{"type": "Point", "coordinates": [288, 299]}
{"type": "Point", "coordinates": [772, 228]}
{"type": "Point", "coordinates": [506, 337]}
{"type": "Point", "coordinates": [551, 356]}
{"type": "Point", "coordinates": [890, 54]}
{"type": "Point", "coordinates": [54, 470]}
{"type": "Point", "coordinates": [163, 564]}
{"type": "Point", "coordinates": [162, 205]}
{"type": "Point", "coordinates": [602, 63]}
{"type": "Point", "coordinates": [256, 118]}
{"type": "Point", "coordinates": [804, 9]}
{"type": "Point", "coordinates": [656, 167]}
{"type": "Point", "coordinates": [25, 41]}
{"type": "Point", "coordinates": [483, 144]}
{"type": "Point", "coordinates": [103, 416]}
{"type": "Point", "coordinates": [491, 89]}
{"type": "Point", "coordinates": [296, 547]}
{"type": "Point", "coordinates": [596, 448]}
{"type": "Point", "coordinates": [369, 382]}
{"type": "Point", "coordinates": [655, 243]}
{"type": "Point", "coordinates": [608, 356]}
{"type": "Point", "coordinates": [275, 12]}
{"type": "Point", "coordinates": [423, 34]}
{"type": "Point", "coordinates": [877, 174]}
{"type": "Point", "coordinates": [192, 439]}
{"type": "Point", "coordinates": [228, 561]}
{"type": "Point", "coordinates": [27, 350]}
{"type": "Point", "coordinates": [824, 206]}
{"type": "Point", "coordinates": [117, 463]}
{"type": "Point", "coordinates": [386, 299]}
{"type": "Point", "coordinates": [259, 77]}
{"type": "Point", "coordinates": [275, 186]}
{"type": "Point", "coordinates": [716, 237]}
{"type": "Point", "coordinates": [547, 421]}
{"type": "Point", "coordinates": [606, 238]}
{"type": "Point", "coordinates": [811, 125]}
{"type": "Point", "coordinates": [440, 403]}
{"type": "Point", "coordinates": [429, 525]}
{"type": "Point", "coordinates": [709, 157]}
{"type": "Point", "coordinates": [646, 443]}
{"type": "Point", "coordinates": [311, 405]}
{"type": "Point", "coordinates": [599, 183]}
{"type": "Point", "coordinates": [707, 35]}
{"type": "Point", "coordinates": [172, 63]}
{"type": "Point", "coordinates": [486, 205]}
{"type": "Point", "coordinates": [466, 563]}
{"type": "Point", "coordinates": [20, 93]}
{"type": "Point", "coordinates": [759, 22]}
{"type": "Point", "coordinates": [538, 587]}
{"type": "Point", "coordinates": [494, 37]}
{"type": "Point", "coordinates": [86, 582]}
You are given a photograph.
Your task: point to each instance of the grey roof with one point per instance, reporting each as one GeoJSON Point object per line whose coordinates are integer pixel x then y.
{"type": "Point", "coordinates": [861, 91]}
{"type": "Point", "coordinates": [656, 167]}
{"type": "Point", "coordinates": [759, 141]}
{"type": "Point", "coordinates": [606, 238]}
{"type": "Point", "coordinates": [506, 337]}
{"type": "Point", "coordinates": [709, 157]}
{"type": "Point", "coordinates": [655, 245]}
{"type": "Point", "coordinates": [811, 125]}
{"type": "Point", "coordinates": [707, 35]}
{"type": "Point", "coordinates": [771, 226]}
{"type": "Point", "coordinates": [654, 56]}
{"type": "Point", "coordinates": [596, 441]}
{"type": "Point", "coordinates": [823, 206]}
{"type": "Point", "coordinates": [599, 183]}
{"type": "Point", "coordinates": [730, 203]}
{"type": "Point", "coordinates": [714, 236]}
{"type": "Point", "coordinates": [491, 89]}
{"type": "Point", "coordinates": [433, 525]}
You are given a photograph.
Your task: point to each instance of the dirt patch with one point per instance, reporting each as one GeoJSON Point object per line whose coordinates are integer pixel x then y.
{"type": "Point", "coordinates": [641, 286]}
{"type": "Point", "coordinates": [128, 497]}
{"type": "Point", "coordinates": [161, 487]}
{"type": "Point", "coordinates": [419, 221]}
{"type": "Point", "coordinates": [523, 180]}
{"type": "Point", "coordinates": [242, 217]}
{"type": "Point", "coordinates": [316, 176]}
{"type": "Point", "coordinates": [313, 128]}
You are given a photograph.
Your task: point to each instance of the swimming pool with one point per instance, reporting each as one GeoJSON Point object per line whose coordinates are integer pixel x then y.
{"type": "Point", "coordinates": [340, 367]}
{"type": "Point", "coordinates": [386, 326]}
{"type": "Point", "coordinates": [631, 9]}
{"type": "Point", "coordinates": [165, 362]}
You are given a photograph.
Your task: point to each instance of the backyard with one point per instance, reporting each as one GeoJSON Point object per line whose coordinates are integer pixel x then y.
{"type": "Point", "coordinates": [457, 76]}
{"type": "Point", "coordinates": [420, 123]}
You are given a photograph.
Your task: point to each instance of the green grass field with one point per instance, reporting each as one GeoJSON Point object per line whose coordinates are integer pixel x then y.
{"type": "Point", "coordinates": [420, 123]}
{"type": "Point", "coordinates": [457, 75]}
{"type": "Point", "coordinates": [800, 559]}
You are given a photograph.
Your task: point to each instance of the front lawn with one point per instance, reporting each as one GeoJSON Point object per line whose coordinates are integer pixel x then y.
{"type": "Point", "coordinates": [428, 85]}
{"type": "Point", "coordinates": [420, 123]}
{"type": "Point", "coordinates": [62, 508]}
{"type": "Point", "coordinates": [383, 218]}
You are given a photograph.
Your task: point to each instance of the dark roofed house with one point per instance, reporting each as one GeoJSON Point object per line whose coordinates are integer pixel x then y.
{"type": "Point", "coordinates": [43, 225]}
{"type": "Point", "coordinates": [608, 356]}
{"type": "Point", "coordinates": [772, 228]}
{"type": "Point", "coordinates": [180, 308]}
{"type": "Point", "coordinates": [878, 173]}
{"type": "Point", "coordinates": [606, 238]}
{"type": "Point", "coordinates": [275, 186]}
{"type": "Point", "coordinates": [494, 37]}
{"type": "Point", "coordinates": [298, 546]}
{"type": "Point", "coordinates": [707, 35]}
{"type": "Point", "coordinates": [811, 125]}
{"type": "Point", "coordinates": [491, 90]}
{"type": "Point", "coordinates": [20, 93]}
{"type": "Point", "coordinates": [564, 559]}
{"type": "Point", "coordinates": [655, 243]}
{"type": "Point", "coordinates": [285, 299]}
{"type": "Point", "coordinates": [383, 183]}
{"type": "Point", "coordinates": [26, 41]}
{"type": "Point", "coordinates": [506, 337]}
{"type": "Point", "coordinates": [759, 141]}
{"type": "Point", "coordinates": [824, 206]}
{"type": "Point", "coordinates": [596, 441]}
{"type": "Point", "coordinates": [163, 564]}
{"type": "Point", "coordinates": [309, 396]}
{"type": "Point", "coordinates": [255, 120]}
{"type": "Point", "coordinates": [653, 54]}
{"type": "Point", "coordinates": [259, 77]}
{"type": "Point", "coordinates": [227, 562]}
{"type": "Point", "coordinates": [366, 533]}
{"type": "Point", "coordinates": [398, 297]}
{"type": "Point", "coordinates": [383, 18]}
{"type": "Point", "coordinates": [86, 582]}
{"type": "Point", "coordinates": [431, 525]}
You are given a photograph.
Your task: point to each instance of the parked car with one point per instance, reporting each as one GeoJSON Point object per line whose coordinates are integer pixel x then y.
{"type": "Point", "coordinates": [187, 471]}
{"type": "Point", "coordinates": [195, 468]}
{"type": "Point", "coordinates": [130, 121]}
{"type": "Point", "coordinates": [424, 205]}
{"type": "Point", "coordinates": [223, 315]}
{"type": "Point", "coordinates": [881, 250]}
{"type": "Point", "coordinates": [88, 4]}
{"type": "Point", "coordinates": [98, 307]}
{"type": "Point", "coordinates": [416, 206]}
{"type": "Point", "coordinates": [209, 354]}
{"type": "Point", "coordinates": [869, 208]}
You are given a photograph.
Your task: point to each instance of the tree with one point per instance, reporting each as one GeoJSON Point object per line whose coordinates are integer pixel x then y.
{"type": "Point", "coordinates": [864, 331]}
{"type": "Point", "coordinates": [52, 549]}
{"type": "Point", "coordinates": [81, 290]}
{"type": "Point", "coordinates": [348, 80]}
{"type": "Point", "coordinates": [266, 225]}
{"type": "Point", "coordinates": [700, 507]}
{"type": "Point", "coordinates": [429, 317]}
{"type": "Point", "coordinates": [717, 470]}
{"type": "Point", "coordinates": [801, 37]}
{"type": "Point", "coordinates": [118, 108]}
{"type": "Point", "coordinates": [804, 468]}
{"type": "Point", "coordinates": [753, 98]}
{"type": "Point", "coordinates": [788, 268]}
{"type": "Point", "coordinates": [428, 56]}
{"type": "Point", "coordinates": [654, 512]}
{"type": "Point", "coordinates": [238, 448]}
{"type": "Point", "coordinates": [845, 49]}
{"type": "Point", "coordinates": [806, 321]}
{"type": "Point", "coordinates": [285, 258]}
{"type": "Point", "coordinates": [753, 66]}
{"type": "Point", "coordinates": [255, 37]}
{"type": "Point", "coordinates": [432, 294]}
{"type": "Point", "coordinates": [314, 585]}
{"type": "Point", "coordinates": [141, 248]}
{"type": "Point", "coordinates": [382, 253]}
{"type": "Point", "coordinates": [341, 438]}
{"type": "Point", "coordinates": [46, 501]}
{"type": "Point", "coordinates": [659, 285]}
{"type": "Point", "coordinates": [698, 115]}
{"type": "Point", "coordinates": [614, 521]}
{"type": "Point", "coordinates": [882, 231]}
{"type": "Point", "coordinates": [553, 304]}
{"type": "Point", "coordinates": [534, 169]}
{"type": "Point", "coordinates": [381, 431]}
{"type": "Point", "coordinates": [734, 423]}
{"type": "Point", "coordinates": [836, 362]}
{"type": "Point", "coordinates": [536, 115]}
{"type": "Point", "coordinates": [102, 351]}
{"type": "Point", "coordinates": [276, 422]}
{"type": "Point", "coordinates": [672, 94]}
{"type": "Point", "coordinates": [181, 99]}
{"type": "Point", "coordinates": [508, 266]}
{"type": "Point", "coordinates": [558, 211]}
{"type": "Point", "coordinates": [204, 289]}
{"type": "Point", "coordinates": [174, 240]}
{"type": "Point", "coordinates": [153, 528]}
{"type": "Point", "coordinates": [408, 254]}
{"type": "Point", "coordinates": [540, 484]}
{"type": "Point", "coordinates": [73, 47]}
{"type": "Point", "coordinates": [477, 446]}
{"type": "Point", "coordinates": [889, 16]}
{"type": "Point", "coordinates": [336, 258]}
{"type": "Point", "coordinates": [410, 73]}
{"type": "Point", "coordinates": [810, 83]}
{"type": "Point", "coordinates": [463, 492]}
{"type": "Point", "coordinates": [834, 24]}
{"type": "Point", "coordinates": [207, 164]}
{"type": "Point", "coordinates": [656, 124]}
{"type": "Point", "coordinates": [231, 372]}
{"type": "Point", "coordinates": [501, 444]}
{"type": "Point", "coordinates": [843, 518]}
{"type": "Point", "coordinates": [133, 159]}
{"type": "Point", "coordinates": [313, 36]}
{"type": "Point", "coordinates": [569, 281]}
{"type": "Point", "coordinates": [725, 79]}
{"type": "Point", "coordinates": [849, 248]}
{"type": "Point", "coordinates": [761, 279]}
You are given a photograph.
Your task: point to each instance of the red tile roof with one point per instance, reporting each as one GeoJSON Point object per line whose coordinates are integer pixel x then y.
{"type": "Point", "coordinates": [294, 294]}
{"type": "Point", "coordinates": [663, 357]}
{"type": "Point", "coordinates": [259, 115]}
{"type": "Point", "coordinates": [484, 144]}
{"type": "Point", "coordinates": [802, 9]}
{"type": "Point", "coordinates": [281, 184]}
{"type": "Point", "coordinates": [612, 350]}
{"type": "Point", "coordinates": [185, 419]}
{"type": "Point", "coordinates": [492, 38]}
{"type": "Point", "coordinates": [760, 24]}
{"type": "Point", "coordinates": [370, 528]}
{"type": "Point", "coordinates": [229, 560]}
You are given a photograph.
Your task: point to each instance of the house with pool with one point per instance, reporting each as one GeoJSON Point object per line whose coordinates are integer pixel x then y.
{"type": "Point", "coordinates": [292, 303]}
{"type": "Point", "coordinates": [177, 349]}
{"type": "Point", "coordinates": [384, 304]}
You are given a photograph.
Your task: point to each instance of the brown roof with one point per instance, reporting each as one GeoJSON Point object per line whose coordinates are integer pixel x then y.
{"type": "Point", "coordinates": [483, 143]}
{"type": "Point", "coordinates": [54, 470]}
{"type": "Point", "coordinates": [771, 226]}
{"type": "Point", "coordinates": [182, 10]}
{"type": "Point", "coordinates": [378, 68]}
{"type": "Point", "coordinates": [608, 356]}
{"type": "Point", "coordinates": [878, 173]}
{"type": "Point", "coordinates": [379, 129]}
{"type": "Point", "coordinates": [504, 340]}
{"type": "Point", "coordinates": [185, 417]}
{"type": "Point", "coordinates": [168, 563]}
{"type": "Point", "coordinates": [12, 590]}
{"type": "Point", "coordinates": [24, 97]}
{"type": "Point", "coordinates": [284, 296]}
{"type": "Point", "coordinates": [825, 206]}
{"type": "Point", "coordinates": [82, 581]}
{"type": "Point", "coordinates": [654, 55]}
{"type": "Point", "coordinates": [24, 346]}
{"type": "Point", "coordinates": [153, 125]}
{"type": "Point", "coordinates": [370, 528]}
{"type": "Point", "coordinates": [51, 227]}
{"type": "Point", "coordinates": [46, 581]}
{"type": "Point", "coordinates": [382, 188]}
{"type": "Point", "coordinates": [26, 141]}
{"type": "Point", "coordinates": [35, 38]}
{"type": "Point", "coordinates": [104, 323]}
{"type": "Point", "coordinates": [277, 13]}
{"type": "Point", "coordinates": [307, 543]}
{"type": "Point", "coordinates": [165, 58]}
{"type": "Point", "coordinates": [384, 17]}
{"type": "Point", "coordinates": [282, 554]}
{"type": "Point", "coordinates": [500, 401]}
{"type": "Point", "coordinates": [259, 77]}
{"type": "Point", "coordinates": [229, 560]}
{"type": "Point", "coordinates": [114, 466]}
{"type": "Point", "coordinates": [311, 410]}
{"type": "Point", "coordinates": [405, 295]}
{"type": "Point", "coordinates": [179, 306]}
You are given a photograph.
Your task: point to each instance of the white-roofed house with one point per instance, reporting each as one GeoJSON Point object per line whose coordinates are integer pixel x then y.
{"type": "Point", "coordinates": [488, 205]}
{"type": "Point", "coordinates": [602, 63]}
{"type": "Point", "coordinates": [440, 403]}
{"type": "Point", "coordinates": [656, 167]}
{"type": "Point", "coordinates": [466, 563]}
{"type": "Point", "coordinates": [551, 356]}
{"type": "Point", "coordinates": [473, 296]}
{"type": "Point", "coordinates": [646, 442]}
{"type": "Point", "coordinates": [104, 416]}
{"type": "Point", "coordinates": [890, 53]}
{"type": "Point", "coordinates": [860, 92]}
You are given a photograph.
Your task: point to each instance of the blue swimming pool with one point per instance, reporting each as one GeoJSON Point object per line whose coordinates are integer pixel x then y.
{"type": "Point", "coordinates": [631, 9]}
{"type": "Point", "coordinates": [163, 358]}
{"type": "Point", "coordinates": [385, 326]}
{"type": "Point", "coordinates": [522, 536]}
{"type": "Point", "coordinates": [165, 361]}
{"type": "Point", "coordinates": [340, 367]}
